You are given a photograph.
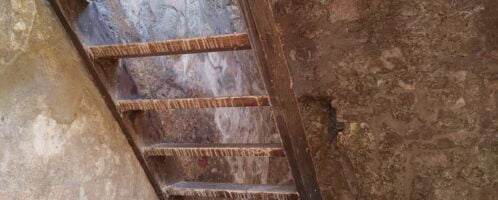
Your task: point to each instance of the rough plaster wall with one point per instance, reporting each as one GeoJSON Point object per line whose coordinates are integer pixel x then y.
{"type": "Point", "coordinates": [415, 86]}
{"type": "Point", "coordinates": [57, 138]}
{"type": "Point", "coordinates": [196, 75]}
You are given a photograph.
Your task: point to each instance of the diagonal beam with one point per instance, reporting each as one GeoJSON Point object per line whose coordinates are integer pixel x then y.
{"type": "Point", "coordinates": [276, 75]}
{"type": "Point", "coordinates": [98, 80]}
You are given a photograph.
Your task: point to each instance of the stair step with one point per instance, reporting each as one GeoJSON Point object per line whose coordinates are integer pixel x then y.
{"type": "Point", "coordinates": [228, 42]}
{"type": "Point", "coordinates": [231, 190]}
{"type": "Point", "coordinates": [215, 150]}
{"type": "Point", "coordinates": [191, 103]}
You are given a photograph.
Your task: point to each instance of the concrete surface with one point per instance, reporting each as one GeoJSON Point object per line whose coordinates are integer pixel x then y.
{"type": "Point", "coordinates": [57, 138]}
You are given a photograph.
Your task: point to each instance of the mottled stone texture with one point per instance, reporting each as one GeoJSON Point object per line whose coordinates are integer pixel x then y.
{"type": "Point", "coordinates": [57, 137]}
{"type": "Point", "coordinates": [414, 84]}
{"type": "Point", "coordinates": [399, 97]}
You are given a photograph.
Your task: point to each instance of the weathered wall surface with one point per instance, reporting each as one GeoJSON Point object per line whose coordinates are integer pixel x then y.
{"type": "Point", "coordinates": [57, 138]}
{"type": "Point", "coordinates": [415, 84]}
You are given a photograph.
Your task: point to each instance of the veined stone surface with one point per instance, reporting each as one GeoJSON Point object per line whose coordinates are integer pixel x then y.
{"type": "Point", "coordinates": [214, 74]}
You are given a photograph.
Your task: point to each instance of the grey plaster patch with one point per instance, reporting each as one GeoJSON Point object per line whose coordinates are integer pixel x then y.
{"type": "Point", "coordinates": [47, 136]}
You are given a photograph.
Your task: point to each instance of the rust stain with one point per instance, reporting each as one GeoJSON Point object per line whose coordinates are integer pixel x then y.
{"type": "Point", "coordinates": [170, 47]}
{"type": "Point", "coordinates": [215, 150]}
{"type": "Point", "coordinates": [191, 103]}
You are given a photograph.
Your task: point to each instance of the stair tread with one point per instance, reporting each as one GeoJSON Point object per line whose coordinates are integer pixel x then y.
{"type": "Point", "coordinates": [191, 103]}
{"type": "Point", "coordinates": [231, 190]}
{"type": "Point", "coordinates": [221, 150]}
{"type": "Point", "coordinates": [228, 42]}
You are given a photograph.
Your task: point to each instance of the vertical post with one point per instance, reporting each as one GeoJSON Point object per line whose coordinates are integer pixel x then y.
{"type": "Point", "coordinates": [273, 67]}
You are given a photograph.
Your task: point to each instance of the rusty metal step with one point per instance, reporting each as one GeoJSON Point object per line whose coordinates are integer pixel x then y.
{"type": "Point", "coordinates": [228, 42]}
{"type": "Point", "coordinates": [231, 190]}
{"type": "Point", "coordinates": [265, 39]}
{"type": "Point", "coordinates": [192, 103]}
{"type": "Point", "coordinates": [216, 150]}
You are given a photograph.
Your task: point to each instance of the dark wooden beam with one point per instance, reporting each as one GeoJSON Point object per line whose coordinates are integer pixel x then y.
{"type": "Point", "coordinates": [266, 43]}
{"type": "Point", "coordinates": [191, 103]}
{"type": "Point", "coordinates": [228, 42]}
{"type": "Point", "coordinates": [98, 80]}
{"type": "Point", "coordinates": [232, 190]}
{"type": "Point", "coordinates": [216, 150]}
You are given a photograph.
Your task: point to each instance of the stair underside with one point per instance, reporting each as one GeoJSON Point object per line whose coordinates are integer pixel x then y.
{"type": "Point", "coordinates": [219, 150]}
{"type": "Point", "coordinates": [228, 42]}
{"type": "Point", "coordinates": [230, 190]}
{"type": "Point", "coordinates": [191, 103]}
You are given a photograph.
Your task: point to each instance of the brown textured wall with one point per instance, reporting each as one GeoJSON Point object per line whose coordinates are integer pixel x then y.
{"type": "Point", "coordinates": [57, 137]}
{"type": "Point", "coordinates": [413, 83]}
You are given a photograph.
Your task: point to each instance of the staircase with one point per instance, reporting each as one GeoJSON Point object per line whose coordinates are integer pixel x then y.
{"type": "Point", "coordinates": [264, 40]}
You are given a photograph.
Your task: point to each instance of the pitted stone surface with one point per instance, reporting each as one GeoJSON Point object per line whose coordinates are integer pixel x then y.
{"type": "Point", "coordinates": [414, 84]}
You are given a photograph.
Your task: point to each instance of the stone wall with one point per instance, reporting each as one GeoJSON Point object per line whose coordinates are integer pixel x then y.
{"type": "Point", "coordinates": [57, 138]}
{"type": "Point", "coordinates": [400, 97]}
